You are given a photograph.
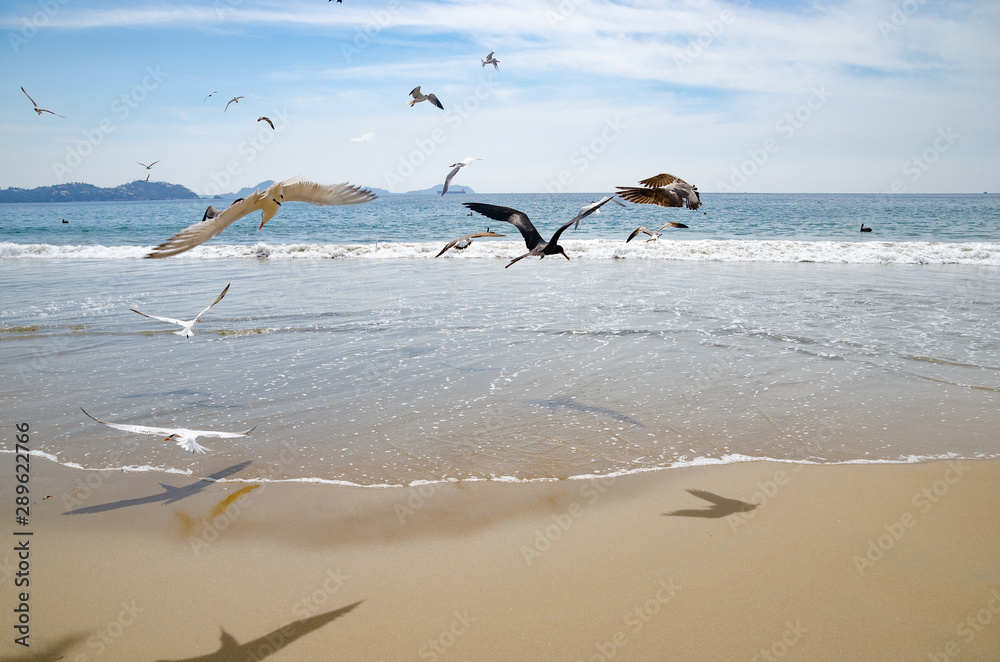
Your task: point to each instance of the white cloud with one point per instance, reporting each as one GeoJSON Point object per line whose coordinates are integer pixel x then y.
{"type": "Point", "coordinates": [364, 138]}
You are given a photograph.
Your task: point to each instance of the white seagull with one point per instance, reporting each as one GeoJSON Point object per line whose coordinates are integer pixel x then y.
{"type": "Point", "coordinates": [186, 325]}
{"type": "Point", "coordinates": [42, 110]}
{"type": "Point", "coordinates": [596, 207]}
{"type": "Point", "coordinates": [267, 202]}
{"type": "Point", "coordinates": [456, 167]}
{"type": "Point", "coordinates": [653, 236]}
{"type": "Point", "coordinates": [233, 100]}
{"type": "Point", "coordinates": [184, 437]}
{"type": "Point", "coordinates": [491, 60]}
{"type": "Point", "coordinates": [465, 241]}
{"type": "Point", "coordinates": [418, 97]}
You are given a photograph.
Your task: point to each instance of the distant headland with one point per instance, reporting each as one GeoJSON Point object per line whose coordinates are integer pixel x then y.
{"type": "Point", "coordinates": [79, 192]}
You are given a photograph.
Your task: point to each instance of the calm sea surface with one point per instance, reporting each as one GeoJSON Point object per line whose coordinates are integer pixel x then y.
{"type": "Point", "coordinates": [772, 328]}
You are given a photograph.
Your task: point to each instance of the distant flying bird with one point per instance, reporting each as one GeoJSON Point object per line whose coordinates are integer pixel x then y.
{"type": "Point", "coordinates": [491, 60]}
{"type": "Point", "coordinates": [865, 229]}
{"type": "Point", "coordinates": [42, 110]}
{"type": "Point", "coordinates": [147, 167]}
{"type": "Point", "coordinates": [457, 166]}
{"type": "Point", "coordinates": [267, 202]}
{"type": "Point", "coordinates": [653, 236]}
{"type": "Point", "coordinates": [418, 97]}
{"type": "Point", "coordinates": [595, 207]}
{"type": "Point", "coordinates": [187, 329]}
{"type": "Point", "coordinates": [663, 190]}
{"type": "Point", "coordinates": [233, 100]}
{"type": "Point", "coordinates": [147, 178]}
{"type": "Point", "coordinates": [184, 437]}
{"type": "Point", "coordinates": [206, 98]}
{"type": "Point", "coordinates": [465, 241]}
{"type": "Point", "coordinates": [536, 245]}
{"type": "Point", "coordinates": [266, 119]}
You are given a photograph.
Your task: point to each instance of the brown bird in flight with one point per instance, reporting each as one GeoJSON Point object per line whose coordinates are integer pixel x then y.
{"type": "Point", "coordinates": [465, 241]}
{"type": "Point", "coordinates": [266, 119]}
{"type": "Point", "coordinates": [663, 190]}
{"type": "Point", "coordinates": [233, 100]}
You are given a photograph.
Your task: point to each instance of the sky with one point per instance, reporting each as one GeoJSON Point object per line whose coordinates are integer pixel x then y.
{"type": "Point", "coordinates": [849, 96]}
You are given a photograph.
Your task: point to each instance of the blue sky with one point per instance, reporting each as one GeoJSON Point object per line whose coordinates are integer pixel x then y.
{"type": "Point", "coordinates": [853, 96]}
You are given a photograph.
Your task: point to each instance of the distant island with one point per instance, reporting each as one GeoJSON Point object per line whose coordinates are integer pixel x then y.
{"type": "Point", "coordinates": [79, 192]}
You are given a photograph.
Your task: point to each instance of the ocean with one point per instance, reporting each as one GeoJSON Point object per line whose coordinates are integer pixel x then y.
{"type": "Point", "coordinates": [770, 329]}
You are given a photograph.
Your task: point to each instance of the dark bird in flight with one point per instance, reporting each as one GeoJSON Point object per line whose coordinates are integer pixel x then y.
{"type": "Point", "coordinates": [266, 119]}
{"type": "Point", "coordinates": [721, 506]}
{"type": "Point", "coordinates": [455, 168]}
{"type": "Point", "coordinates": [536, 245]}
{"type": "Point", "coordinates": [41, 110]}
{"type": "Point", "coordinates": [418, 97]}
{"type": "Point", "coordinates": [147, 167]}
{"type": "Point", "coordinates": [663, 190]}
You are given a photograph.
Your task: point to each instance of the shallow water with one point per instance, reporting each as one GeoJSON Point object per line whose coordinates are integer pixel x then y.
{"type": "Point", "coordinates": [389, 371]}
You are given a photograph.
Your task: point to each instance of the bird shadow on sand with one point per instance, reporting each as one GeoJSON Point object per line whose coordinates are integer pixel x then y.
{"type": "Point", "coordinates": [170, 493]}
{"type": "Point", "coordinates": [55, 651]}
{"type": "Point", "coordinates": [569, 402]}
{"type": "Point", "coordinates": [267, 645]}
{"type": "Point", "coordinates": [720, 506]}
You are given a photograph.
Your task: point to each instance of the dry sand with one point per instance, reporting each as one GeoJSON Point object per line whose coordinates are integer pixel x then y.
{"type": "Point", "coordinates": [844, 562]}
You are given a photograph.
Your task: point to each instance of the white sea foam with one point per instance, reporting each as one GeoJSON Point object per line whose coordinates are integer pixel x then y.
{"type": "Point", "coordinates": [709, 250]}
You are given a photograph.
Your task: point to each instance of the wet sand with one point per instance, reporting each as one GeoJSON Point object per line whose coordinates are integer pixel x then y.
{"type": "Point", "coordinates": [748, 561]}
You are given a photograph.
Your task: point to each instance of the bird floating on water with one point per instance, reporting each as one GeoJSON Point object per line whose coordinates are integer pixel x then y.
{"type": "Point", "coordinates": [267, 202]}
{"type": "Point", "coordinates": [865, 228]}
{"type": "Point", "coordinates": [663, 190]}
{"type": "Point", "coordinates": [185, 437]}
{"type": "Point", "coordinates": [465, 241]}
{"type": "Point", "coordinates": [37, 109]}
{"type": "Point", "coordinates": [491, 60]}
{"type": "Point", "coordinates": [187, 329]}
{"type": "Point", "coordinates": [532, 239]}
{"type": "Point", "coordinates": [456, 167]}
{"type": "Point", "coordinates": [233, 100]}
{"type": "Point", "coordinates": [418, 97]}
{"type": "Point", "coordinates": [653, 236]}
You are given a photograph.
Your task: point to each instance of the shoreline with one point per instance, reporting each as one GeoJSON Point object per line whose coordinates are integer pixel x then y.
{"type": "Point", "coordinates": [847, 561]}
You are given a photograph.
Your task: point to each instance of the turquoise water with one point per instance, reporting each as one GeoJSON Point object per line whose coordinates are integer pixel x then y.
{"type": "Point", "coordinates": [769, 330]}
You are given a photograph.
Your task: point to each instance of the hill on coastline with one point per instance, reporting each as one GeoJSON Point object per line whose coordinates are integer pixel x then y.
{"type": "Point", "coordinates": [79, 192]}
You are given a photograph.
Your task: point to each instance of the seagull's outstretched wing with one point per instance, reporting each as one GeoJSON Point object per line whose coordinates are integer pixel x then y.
{"type": "Point", "coordinates": [587, 211]}
{"type": "Point", "coordinates": [300, 190]}
{"type": "Point", "coordinates": [451, 175]}
{"type": "Point", "coordinates": [198, 318]}
{"type": "Point", "coordinates": [671, 224]}
{"type": "Point", "coordinates": [652, 196]}
{"type": "Point", "coordinates": [137, 429]}
{"type": "Point", "coordinates": [637, 231]}
{"type": "Point", "coordinates": [208, 227]}
{"type": "Point", "coordinates": [516, 218]}
{"type": "Point", "coordinates": [215, 433]}
{"type": "Point", "coordinates": [659, 180]}
{"type": "Point", "coordinates": [168, 320]}
{"type": "Point", "coordinates": [29, 98]}
{"type": "Point", "coordinates": [434, 100]}
{"type": "Point", "coordinates": [468, 237]}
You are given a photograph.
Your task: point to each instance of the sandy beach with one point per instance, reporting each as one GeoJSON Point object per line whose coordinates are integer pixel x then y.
{"type": "Point", "coordinates": [746, 561]}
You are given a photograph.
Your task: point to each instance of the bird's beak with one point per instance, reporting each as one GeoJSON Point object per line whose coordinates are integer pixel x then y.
{"type": "Point", "coordinates": [166, 439]}
{"type": "Point", "coordinates": [261, 225]}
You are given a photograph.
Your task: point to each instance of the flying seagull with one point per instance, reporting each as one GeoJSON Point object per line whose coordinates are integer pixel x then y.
{"type": "Point", "coordinates": [266, 119]}
{"type": "Point", "coordinates": [653, 236]}
{"type": "Point", "coordinates": [147, 167]}
{"type": "Point", "coordinates": [491, 60]}
{"type": "Point", "coordinates": [184, 437]}
{"type": "Point", "coordinates": [456, 167]}
{"type": "Point", "coordinates": [267, 202]}
{"type": "Point", "coordinates": [536, 245]}
{"type": "Point", "coordinates": [42, 110]}
{"type": "Point", "coordinates": [465, 241]}
{"type": "Point", "coordinates": [418, 97]}
{"type": "Point", "coordinates": [663, 190]}
{"type": "Point", "coordinates": [233, 100]}
{"type": "Point", "coordinates": [187, 329]}
{"type": "Point", "coordinates": [595, 207]}
{"type": "Point", "coordinates": [206, 98]}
